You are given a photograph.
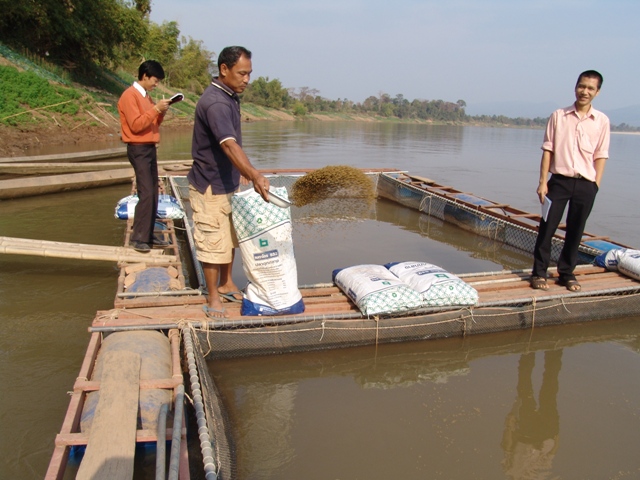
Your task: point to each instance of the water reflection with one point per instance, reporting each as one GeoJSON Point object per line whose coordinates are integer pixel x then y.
{"type": "Point", "coordinates": [267, 424]}
{"type": "Point", "coordinates": [430, 408]}
{"type": "Point", "coordinates": [532, 430]}
{"type": "Point", "coordinates": [478, 246]}
{"type": "Point", "coordinates": [372, 145]}
{"type": "Point", "coordinates": [391, 233]}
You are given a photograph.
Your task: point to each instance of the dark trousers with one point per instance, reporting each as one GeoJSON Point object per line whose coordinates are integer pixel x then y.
{"type": "Point", "coordinates": [580, 194]}
{"type": "Point", "coordinates": [143, 158]}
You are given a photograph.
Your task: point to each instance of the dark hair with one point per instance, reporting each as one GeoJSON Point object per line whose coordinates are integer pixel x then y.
{"type": "Point", "coordinates": [229, 56]}
{"type": "Point", "coordinates": [152, 69]}
{"type": "Point", "coordinates": [591, 74]}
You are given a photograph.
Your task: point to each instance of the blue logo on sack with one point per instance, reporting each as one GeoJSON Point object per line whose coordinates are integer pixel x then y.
{"type": "Point", "coordinates": [266, 255]}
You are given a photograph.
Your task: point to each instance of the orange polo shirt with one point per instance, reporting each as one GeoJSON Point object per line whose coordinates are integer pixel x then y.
{"type": "Point", "coordinates": [139, 121]}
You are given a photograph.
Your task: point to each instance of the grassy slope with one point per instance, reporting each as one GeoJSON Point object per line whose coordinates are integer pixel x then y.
{"type": "Point", "coordinates": [46, 108]}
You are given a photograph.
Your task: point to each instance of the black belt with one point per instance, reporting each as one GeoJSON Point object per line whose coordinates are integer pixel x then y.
{"type": "Point", "coordinates": [577, 175]}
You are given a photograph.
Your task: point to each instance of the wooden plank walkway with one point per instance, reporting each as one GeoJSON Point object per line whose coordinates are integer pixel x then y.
{"type": "Point", "coordinates": [510, 286]}
{"type": "Point", "coordinates": [112, 440]}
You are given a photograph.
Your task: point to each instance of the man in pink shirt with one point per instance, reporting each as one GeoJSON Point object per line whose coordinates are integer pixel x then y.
{"type": "Point", "coordinates": [575, 149]}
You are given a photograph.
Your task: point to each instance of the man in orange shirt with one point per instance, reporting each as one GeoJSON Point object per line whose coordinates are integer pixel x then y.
{"type": "Point", "coordinates": [140, 119]}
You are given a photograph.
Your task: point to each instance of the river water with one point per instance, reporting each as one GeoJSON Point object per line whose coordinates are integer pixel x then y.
{"type": "Point", "coordinates": [557, 403]}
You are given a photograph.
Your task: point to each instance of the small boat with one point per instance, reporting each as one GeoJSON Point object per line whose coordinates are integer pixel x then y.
{"type": "Point", "coordinates": [32, 186]}
{"type": "Point", "coordinates": [103, 154]}
{"type": "Point", "coordinates": [89, 176]}
{"type": "Point", "coordinates": [39, 168]}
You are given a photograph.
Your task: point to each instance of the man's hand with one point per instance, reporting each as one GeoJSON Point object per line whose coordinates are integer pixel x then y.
{"type": "Point", "coordinates": [162, 106]}
{"type": "Point", "coordinates": [261, 185]}
{"type": "Point", "coordinates": [542, 191]}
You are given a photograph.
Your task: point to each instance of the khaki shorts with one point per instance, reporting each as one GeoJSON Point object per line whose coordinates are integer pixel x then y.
{"type": "Point", "coordinates": [213, 232]}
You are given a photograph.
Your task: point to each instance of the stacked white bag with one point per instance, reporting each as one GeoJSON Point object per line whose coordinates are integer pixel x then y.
{"type": "Point", "coordinates": [265, 237]}
{"type": "Point", "coordinates": [403, 286]}
{"type": "Point", "coordinates": [437, 286]}
{"type": "Point", "coordinates": [375, 290]}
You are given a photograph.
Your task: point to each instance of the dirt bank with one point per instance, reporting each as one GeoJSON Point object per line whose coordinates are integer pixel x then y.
{"type": "Point", "coordinates": [15, 142]}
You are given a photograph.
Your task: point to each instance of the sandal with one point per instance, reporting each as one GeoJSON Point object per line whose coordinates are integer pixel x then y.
{"type": "Point", "coordinates": [231, 296]}
{"type": "Point", "coordinates": [214, 313]}
{"type": "Point", "coordinates": [539, 283]}
{"type": "Point", "coordinates": [572, 284]}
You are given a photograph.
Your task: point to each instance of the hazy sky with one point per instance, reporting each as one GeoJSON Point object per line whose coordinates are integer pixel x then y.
{"type": "Point", "coordinates": [476, 50]}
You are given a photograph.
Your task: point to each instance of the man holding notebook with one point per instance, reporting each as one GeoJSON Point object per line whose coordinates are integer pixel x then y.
{"type": "Point", "coordinates": [140, 119]}
{"type": "Point", "coordinates": [575, 149]}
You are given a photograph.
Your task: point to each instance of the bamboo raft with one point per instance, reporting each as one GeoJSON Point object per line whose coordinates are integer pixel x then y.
{"type": "Point", "coordinates": [80, 251]}
{"type": "Point", "coordinates": [331, 320]}
{"type": "Point", "coordinates": [70, 435]}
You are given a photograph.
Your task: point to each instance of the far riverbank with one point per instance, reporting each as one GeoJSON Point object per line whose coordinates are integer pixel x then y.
{"type": "Point", "coordinates": [18, 141]}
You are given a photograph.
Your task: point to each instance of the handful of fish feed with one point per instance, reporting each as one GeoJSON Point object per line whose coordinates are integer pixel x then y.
{"type": "Point", "coordinates": [332, 182]}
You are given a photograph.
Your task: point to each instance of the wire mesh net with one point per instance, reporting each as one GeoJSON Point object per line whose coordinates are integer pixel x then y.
{"type": "Point", "coordinates": [217, 419]}
{"type": "Point", "coordinates": [469, 218]}
{"type": "Point", "coordinates": [320, 334]}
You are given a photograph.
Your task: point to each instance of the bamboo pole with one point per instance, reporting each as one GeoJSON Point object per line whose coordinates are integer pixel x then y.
{"type": "Point", "coordinates": [35, 168]}
{"type": "Point", "coordinates": [36, 109]}
{"type": "Point", "coordinates": [94, 116]}
{"type": "Point", "coordinates": [44, 248]}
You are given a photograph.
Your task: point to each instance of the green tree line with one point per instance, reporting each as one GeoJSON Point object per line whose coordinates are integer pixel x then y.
{"type": "Point", "coordinates": [305, 100]}
{"type": "Point", "coordinates": [88, 37]}
{"type": "Point", "coordinates": [90, 40]}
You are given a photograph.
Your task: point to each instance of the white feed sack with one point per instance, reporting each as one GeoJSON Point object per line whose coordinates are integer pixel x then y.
{"type": "Point", "coordinates": [168, 207]}
{"type": "Point", "coordinates": [437, 286]}
{"type": "Point", "coordinates": [265, 237]}
{"type": "Point", "coordinates": [623, 260]}
{"type": "Point", "coordinates": [609, 259]}
{"type": "Point", "coordinates": [375, 290]}
{"type": "Point", "coordinates": [629, 263]}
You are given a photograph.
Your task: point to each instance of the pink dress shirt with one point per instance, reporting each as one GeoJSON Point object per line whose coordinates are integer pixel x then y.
{"type": "Point", "coordinates": [576, 142]}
